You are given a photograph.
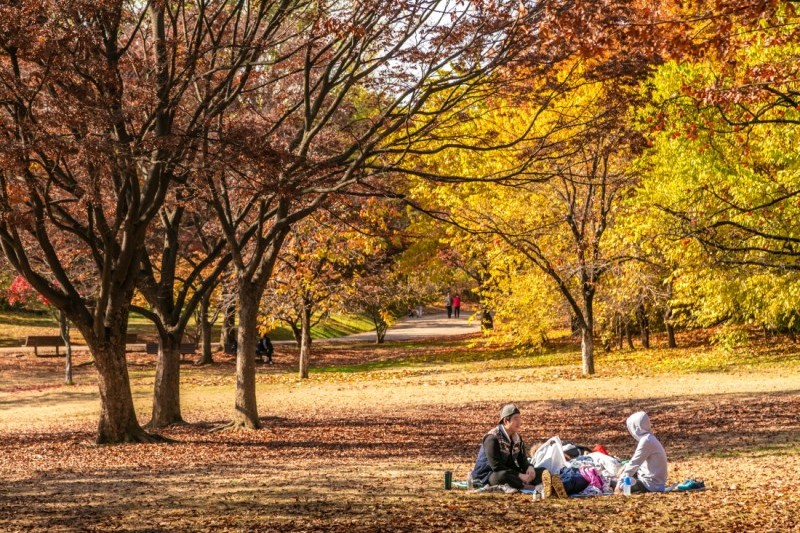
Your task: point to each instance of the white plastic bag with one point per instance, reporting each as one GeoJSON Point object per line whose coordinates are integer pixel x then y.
{"type": "Point", "coordinates": [550, 455]}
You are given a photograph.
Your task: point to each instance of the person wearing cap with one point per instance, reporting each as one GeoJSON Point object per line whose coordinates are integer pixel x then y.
{"type": "Point", "coordinates": [501, 458]}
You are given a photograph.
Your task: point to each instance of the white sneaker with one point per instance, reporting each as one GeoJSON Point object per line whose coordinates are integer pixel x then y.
{"type": "Point", "coordinates": [508, 489]}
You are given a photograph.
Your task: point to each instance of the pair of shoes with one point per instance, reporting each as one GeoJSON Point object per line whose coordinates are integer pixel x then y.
{"type": "Point", "coordinates": [691, 484]}
{"type": "Point", "coordinates": [552, 486]}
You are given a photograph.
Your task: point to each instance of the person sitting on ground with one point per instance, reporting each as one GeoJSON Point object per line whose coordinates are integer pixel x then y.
{"type": "Point", "coordinates": [264, 347]}
{"type": "Point", "coordinates": [501, 458]}
{"type": "Point", "coordinates": [648, 466]}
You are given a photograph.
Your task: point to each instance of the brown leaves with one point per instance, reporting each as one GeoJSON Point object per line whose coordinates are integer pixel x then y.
{"type": "Point", "coordinates": [364, 449]}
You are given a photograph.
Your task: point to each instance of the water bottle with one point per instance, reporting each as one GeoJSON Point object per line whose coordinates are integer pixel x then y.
{"type": "Point", "coordinates": [470, 482]}
{"type": "Point", "coordinates": [626, 485]}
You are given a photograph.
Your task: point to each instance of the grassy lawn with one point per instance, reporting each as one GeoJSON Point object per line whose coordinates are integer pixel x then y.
{"type": "Point", "coordinates": [362, 444]}
{"type": "Point", "coordinates": [16, 325]}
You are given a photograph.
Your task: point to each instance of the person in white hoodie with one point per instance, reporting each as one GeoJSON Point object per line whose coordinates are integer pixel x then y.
{"type": "Point", "coordinates": [648, 466]}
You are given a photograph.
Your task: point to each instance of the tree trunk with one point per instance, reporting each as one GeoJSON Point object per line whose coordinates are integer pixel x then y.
{"type": "Point", "coordinates": [587, 334]}
{"type": "Point", "coordinates": [206, 355]}
{"type": "Point", "coordinates": [587, 351]}
{"type": "Point", "coordinates": [297, 333]}
{"type": "Point", "coordinates": [64, 327]}
{"type": "Point", "coordinates": [118, 423]}
{"type": "Point", "coordinates": [380, 329]}
{"type": "Point", "coordinates": [228, 334]}
{"type": "Point", "coordinates": [670, 328]}
{"type": "Point", "coordinates": [671, 336]}
{"type": "Point", "coordinates": [380, 325]}
{"type": "Point", "coordinates": [305, 344]}
{"type": "Point", "coordinates": [644, 325]}
{"type": "Point", "coordinates": [628, 335]}
{"type": "Point", "coordinates": [166, 394]}
{"type": "Point", "coordinates": [246, 412]}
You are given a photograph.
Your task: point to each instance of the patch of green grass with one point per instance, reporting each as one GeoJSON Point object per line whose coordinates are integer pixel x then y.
{"type": "Point", "coordinates": [341, 325]}
{"type": "Point", "coordinates": [474, 356]}
{"type": "Point", "coordinates": [459, 355]}
{"type": "Point", "coordinates": [332, 327]}
{"type": "Point", "coordinates": [15, 325]}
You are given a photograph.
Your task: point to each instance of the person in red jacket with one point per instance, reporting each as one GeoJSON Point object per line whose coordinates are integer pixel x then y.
{"type": "Point", "coordinates": [456, 305]}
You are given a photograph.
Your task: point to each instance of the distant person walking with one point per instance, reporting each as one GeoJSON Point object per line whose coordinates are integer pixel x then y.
{"type": "Point", "coordinates": [448, 304]}
{"type": "Point", "coordinates": [457, 305]}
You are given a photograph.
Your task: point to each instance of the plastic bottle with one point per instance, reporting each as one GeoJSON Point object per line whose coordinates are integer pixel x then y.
{"type": "Point", "coordinates": [626, 485]}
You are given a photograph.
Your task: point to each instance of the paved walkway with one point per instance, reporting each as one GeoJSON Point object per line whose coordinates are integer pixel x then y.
{"type": "Point", "coordinates": [430, 325]}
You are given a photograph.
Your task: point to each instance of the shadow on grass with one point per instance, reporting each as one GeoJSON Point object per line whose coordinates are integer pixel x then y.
{"type": "Point", "coordinates": [726, 425]}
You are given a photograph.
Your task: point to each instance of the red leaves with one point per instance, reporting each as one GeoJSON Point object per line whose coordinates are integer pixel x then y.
{"type": "Point", "coordinates": [21, 292]}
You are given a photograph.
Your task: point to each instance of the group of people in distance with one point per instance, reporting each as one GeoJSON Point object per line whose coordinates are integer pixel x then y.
{"type": "Point", "coordinates": [453, 305]}
{"type": "Point", "coordinates": [503, 460]}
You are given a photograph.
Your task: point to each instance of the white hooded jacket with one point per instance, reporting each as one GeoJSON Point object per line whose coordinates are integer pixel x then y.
{"type": "Point", "coordinates": [649, 459]}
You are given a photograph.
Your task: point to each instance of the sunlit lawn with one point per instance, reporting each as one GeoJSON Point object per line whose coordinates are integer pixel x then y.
{"type": "Point", "coordinates": [16, 325]}
{"type": "Point", "coordinates": [362, 445]}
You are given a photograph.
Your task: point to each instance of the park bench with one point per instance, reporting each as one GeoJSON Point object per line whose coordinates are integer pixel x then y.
{"type": "Point", "coordinates": [55, 341]}
{"type": "Point", "coordinates": [131, 338]}
{"type": "Point", "coordinates": [186, 348]}
{"type": "Point", "coordinates": [43, 341]}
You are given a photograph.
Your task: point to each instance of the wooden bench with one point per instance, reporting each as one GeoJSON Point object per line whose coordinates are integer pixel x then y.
{"type": "Point", "coordinates": [42, 341]}
{"type": "Point", "coordinates": [55, 341]}
{"type": "Point", "coordinates": [186, 348]}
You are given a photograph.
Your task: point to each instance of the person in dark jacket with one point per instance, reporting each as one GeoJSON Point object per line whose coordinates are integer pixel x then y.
{"type": "Point", "coordinates": [501, 458]}
{"type": "Point", "coordinates": [264, 348]}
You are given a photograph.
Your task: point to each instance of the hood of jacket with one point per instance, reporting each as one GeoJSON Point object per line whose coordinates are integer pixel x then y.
{"type": "Point", "coordinates": [639, 425]}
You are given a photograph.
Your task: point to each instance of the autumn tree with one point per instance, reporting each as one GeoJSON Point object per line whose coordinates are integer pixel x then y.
{"type": "Point", "coordinates": [105, 107]}
{"type": "Point", "coordinates": [20, 292]}
{"type": "Point", "coordinates": [322, 255]}
{"type": "Point", "coordinates": [186, 256]}
{"type": "Point", "coordinates": [355, 85]}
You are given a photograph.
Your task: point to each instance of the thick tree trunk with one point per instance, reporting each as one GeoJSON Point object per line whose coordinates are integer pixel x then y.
{"type": "Point", "coordinates": [64, 327]}
{"type": "Point", "coordinates": [644, 326]}
{"type": "Point", "coordinates": [118, 421]}
{"type": "Point", "coordinates": [206, 355]}
{"type": "Point", "coordinates": [246, 412]}
{"type": "Point", "coordinates": [166, 394]}
{"type": "Point", "coordinates": [305, 344]}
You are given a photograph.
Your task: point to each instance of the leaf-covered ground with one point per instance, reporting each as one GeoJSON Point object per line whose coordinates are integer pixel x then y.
{"type": "Point", "coordinates": [363, 444]}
